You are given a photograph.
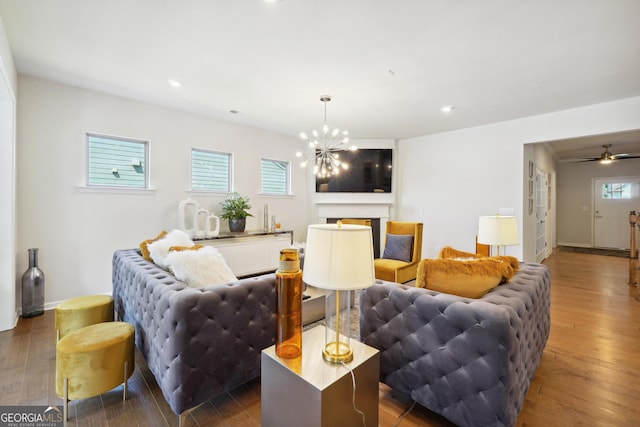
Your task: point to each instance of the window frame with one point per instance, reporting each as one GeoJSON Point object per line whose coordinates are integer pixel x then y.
{"type": "Point", "coordinates": [230, 183]}
{"type": "Point", "coordinates": [287, 176]}
{"type": "Point", "coordinates": [146, 167]}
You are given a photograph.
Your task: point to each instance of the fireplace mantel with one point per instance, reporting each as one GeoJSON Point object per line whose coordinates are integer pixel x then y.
{"type": "Point", "coordinates": [355, 210]}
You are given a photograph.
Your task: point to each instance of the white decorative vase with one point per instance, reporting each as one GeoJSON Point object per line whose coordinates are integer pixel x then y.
{"type": "Point", "coordinates": [213, 226]}
{"type": "Point", "coordinates": [187, 214]}
{"type": "Point", "coordinates": [201, 221]}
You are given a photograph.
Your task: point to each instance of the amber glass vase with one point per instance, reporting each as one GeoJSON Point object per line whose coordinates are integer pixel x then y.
{"type": "Point", "coordinates": [289, 305]}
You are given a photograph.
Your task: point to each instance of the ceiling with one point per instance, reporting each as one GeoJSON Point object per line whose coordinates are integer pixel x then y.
{"type": "Point", "coordinates": [389, 65]}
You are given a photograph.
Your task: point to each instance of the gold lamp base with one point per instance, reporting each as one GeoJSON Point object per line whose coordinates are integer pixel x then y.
{"type": "Point", "coordinates": [337, 352]}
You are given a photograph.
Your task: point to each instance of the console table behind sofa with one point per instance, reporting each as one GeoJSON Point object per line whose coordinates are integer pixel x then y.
{"type": "Point", "coordinates": [250, 252]}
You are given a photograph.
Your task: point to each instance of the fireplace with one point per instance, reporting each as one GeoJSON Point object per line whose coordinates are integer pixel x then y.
{"type": "Point", "coordinates": [375, 229]}
{"type": "Point", "coordinates": [378, 213]}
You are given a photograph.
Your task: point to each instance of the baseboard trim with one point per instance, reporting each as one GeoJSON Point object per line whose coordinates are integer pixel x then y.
{"type": "Point", "coordinates": [575, 245]}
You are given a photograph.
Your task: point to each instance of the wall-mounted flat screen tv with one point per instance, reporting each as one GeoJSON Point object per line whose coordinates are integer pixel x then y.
{"type": "Point", "coordinates": [370, 171]}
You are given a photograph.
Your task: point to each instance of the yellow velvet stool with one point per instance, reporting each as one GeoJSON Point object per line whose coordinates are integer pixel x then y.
{"type": "Point", "coordinates": [78, 312]}
{"type": "Point", "coordinates": [93, 360]}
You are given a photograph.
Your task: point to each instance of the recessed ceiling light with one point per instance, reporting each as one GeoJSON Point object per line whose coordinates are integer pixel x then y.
{"type": "Point", "coordinates": [234, 111]}
{"type": "Point", "coordinates": [174, 83]}
{"type": "Point", "coordinates": [446, 108]}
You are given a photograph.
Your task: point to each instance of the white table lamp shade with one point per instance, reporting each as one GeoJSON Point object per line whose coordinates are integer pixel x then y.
{"type": "Point", "coordinates": [498, 230]}
{"type": "Point", "coordinates": [339, 257]}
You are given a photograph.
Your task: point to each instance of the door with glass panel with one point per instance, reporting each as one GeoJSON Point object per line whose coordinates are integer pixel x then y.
{"type": "Point", "coordinates": [613, 199]}
{"type": "Point", "coordinates": [541, 215]}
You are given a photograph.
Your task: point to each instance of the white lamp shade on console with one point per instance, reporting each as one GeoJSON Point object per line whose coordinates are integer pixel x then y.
{"type": "Point", "coordinates": [339, 258]}
{"type": "Point", "coordinates": [498, 231]}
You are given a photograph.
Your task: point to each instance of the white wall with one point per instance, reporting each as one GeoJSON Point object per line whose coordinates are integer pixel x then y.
{"type": "Point", "coordinates": [77, 231]}
{"type": "Point", "coordinates": [449, 179]}
{"type": "Point", "coordinates": [8, 295]}
{"type": "Point", "coordinates": [445, 180]}
{"type": "Point", "coordinates": [575, 197]}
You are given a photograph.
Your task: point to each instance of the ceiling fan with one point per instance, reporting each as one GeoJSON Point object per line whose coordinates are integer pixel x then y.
{"type": "Point", "coordinates": [606, 157]}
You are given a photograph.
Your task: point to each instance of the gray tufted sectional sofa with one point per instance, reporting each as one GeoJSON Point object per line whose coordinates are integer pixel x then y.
{"type": "Point", "coordinates": [470, 360]}
{"type": "Point", "coordinates": [197, 342]}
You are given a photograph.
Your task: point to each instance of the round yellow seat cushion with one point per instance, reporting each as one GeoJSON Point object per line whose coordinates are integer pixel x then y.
{"type": "Point", "coordinates": [93, 359]}
{"type": "Point", "coordinates": [78, 312]}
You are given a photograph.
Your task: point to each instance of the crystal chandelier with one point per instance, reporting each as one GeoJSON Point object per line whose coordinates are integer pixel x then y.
{"type": "Point", "coordinates": [326, 147]}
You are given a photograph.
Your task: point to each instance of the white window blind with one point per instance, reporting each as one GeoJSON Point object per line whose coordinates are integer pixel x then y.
{"type": "Point", "coordinates": [275, 177]}
{"type": "Point", "coordinates": [210, 171]}
{"type": "Point", "coordinates": [117, 162]}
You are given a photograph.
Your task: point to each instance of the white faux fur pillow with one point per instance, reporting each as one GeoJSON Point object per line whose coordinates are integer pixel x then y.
{"type": "Point", "coordinates": [201, 268]}
{"type": "Point", "coordinates": [159, 249]}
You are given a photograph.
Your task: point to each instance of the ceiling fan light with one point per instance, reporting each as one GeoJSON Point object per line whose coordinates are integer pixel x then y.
{"type": "Point", "coordinates": [606, 157]}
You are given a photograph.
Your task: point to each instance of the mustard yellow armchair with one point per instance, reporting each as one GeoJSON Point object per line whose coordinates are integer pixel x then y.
{"type": "Point", "coordinates": [397, 270]}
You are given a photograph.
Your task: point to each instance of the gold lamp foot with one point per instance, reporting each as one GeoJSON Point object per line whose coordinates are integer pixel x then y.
{"type": "Point", "coordinates": [337, 352]}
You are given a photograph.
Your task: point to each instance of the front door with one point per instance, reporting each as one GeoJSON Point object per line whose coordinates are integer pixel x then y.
{"type": "Point", "coordinates": [613, 199]}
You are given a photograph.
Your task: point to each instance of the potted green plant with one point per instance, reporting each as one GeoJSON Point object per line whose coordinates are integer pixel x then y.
{"type": "Point", "coordinates": [235, 208]}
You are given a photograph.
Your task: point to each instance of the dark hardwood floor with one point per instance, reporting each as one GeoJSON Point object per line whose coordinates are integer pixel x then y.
{"type": "Point", "coordinates": [589, 374]}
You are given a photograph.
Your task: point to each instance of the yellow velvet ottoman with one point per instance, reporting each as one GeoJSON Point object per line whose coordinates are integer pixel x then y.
{"type": "Point", "coordinates": [76, 313]}
{"type": "Point", "coordinates": [93, 360]}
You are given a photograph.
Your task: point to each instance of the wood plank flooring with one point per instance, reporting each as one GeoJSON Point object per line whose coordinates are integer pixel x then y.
{"type": "Point", "coordinates": [589, 374]}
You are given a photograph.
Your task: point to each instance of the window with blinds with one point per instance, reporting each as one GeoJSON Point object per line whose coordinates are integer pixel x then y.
{"type": "Point", "coordinates": [210, 171]}
{"type": "Point", "coordinates": [275, 177]}
{"type": "Point", "coordinates": [117, 162]}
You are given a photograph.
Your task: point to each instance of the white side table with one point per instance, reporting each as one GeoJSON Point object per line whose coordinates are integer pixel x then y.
{"type": "Point", "coordinates": [311, 392]}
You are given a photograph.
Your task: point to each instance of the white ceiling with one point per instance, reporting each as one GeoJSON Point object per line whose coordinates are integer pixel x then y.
{"type": "Point", "coordinates": [388, 64]}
